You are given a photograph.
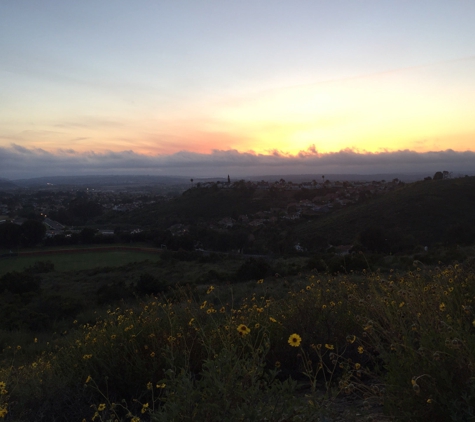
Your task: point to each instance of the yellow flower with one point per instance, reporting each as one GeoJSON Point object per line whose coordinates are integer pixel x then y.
{"type": "Point", "coordinates": [260, 281]}
{"type": "Point", "coordinates": [135, 419]}
{"type": "Point", "coordinates": [243, 330]}
{"type": "Point", "coordinates": [101, 407]}
{"type": "Point", "coordinates": [350, 338]}
{"type": "Point", "coordinates": [88, 379]}
{"type": "Point", "coordinates": [357, 366]}
{"type": "Point", "coordinates": [294, 340]}
{"type": "Point", "coordinates": [277, 364]}
{"type": "Point", "coordinates": [442, 306]}
{"type": "Point", "coordinates": [360, 349]}
{"type": "Point", "coordinates": [149, 385]}
{"type": "Point", "coordinates": [163, 385]}
{"type": "Point", "coordinates": [329, 346]}
{"type": "Point", "coordinates": [210, 289]}
{"type": "Point", "coordinates": [144, 408]}
{"type": "Point", "coordinates": [274, 320]}
{"type": "Point", "coordinates": [152, 355]}
{"type": "Point", "coordinates": [3, 412]}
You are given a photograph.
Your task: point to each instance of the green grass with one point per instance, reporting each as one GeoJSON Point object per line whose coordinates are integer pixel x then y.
{"type": "Point", "coordinates": [77, 261]}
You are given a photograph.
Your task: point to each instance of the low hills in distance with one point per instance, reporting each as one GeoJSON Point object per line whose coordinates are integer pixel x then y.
{"type": "Point", "coordinates": [419, 213]}
{"type": "Point", "coordinates": [262, 217]}
{"type": "Point", "coordinates": [115, 180]}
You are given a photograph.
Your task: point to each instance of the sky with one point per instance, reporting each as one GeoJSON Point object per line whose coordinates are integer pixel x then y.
{"type": "Point", "coordinates": [207, 88]}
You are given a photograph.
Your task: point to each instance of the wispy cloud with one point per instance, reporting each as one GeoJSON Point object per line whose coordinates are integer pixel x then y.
{"type": "Point", "coordinates": [17, 162]}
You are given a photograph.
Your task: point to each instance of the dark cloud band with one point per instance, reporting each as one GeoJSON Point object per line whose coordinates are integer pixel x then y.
{"type": "Point", "coordinates": [19, 162]}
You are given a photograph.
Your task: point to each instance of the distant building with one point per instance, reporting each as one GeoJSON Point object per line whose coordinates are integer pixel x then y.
{"type": "Point", "coordinates": [53, 225]}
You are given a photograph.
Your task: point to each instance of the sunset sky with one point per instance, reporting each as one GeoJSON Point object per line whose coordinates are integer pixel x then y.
{"type": "Point", "coordinates": [259, 87]}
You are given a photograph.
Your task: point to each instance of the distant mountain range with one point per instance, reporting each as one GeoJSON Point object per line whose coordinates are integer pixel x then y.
{"type": "Point", "coordinates": [151, 179]}
{"type": "Point", "coordinates": [7, 184]}
{"type": "Point", "coordinates": [95, 181]}
{"type": "Point", "coordinates": [141, 180]}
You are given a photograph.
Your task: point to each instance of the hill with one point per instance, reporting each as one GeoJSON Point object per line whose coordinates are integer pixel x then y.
{"type": "Point", "coordinates": [7, 184]}
{"type": "Point", "coordinates": [424, 212]}
{"type": "Point", "coordinates": [421, 213]}
{"type": "Point", "coordinates": [202, 204]}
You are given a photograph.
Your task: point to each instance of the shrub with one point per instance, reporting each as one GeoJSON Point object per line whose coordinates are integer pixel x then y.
{"type": "Point", "coordinates": [150, 285]}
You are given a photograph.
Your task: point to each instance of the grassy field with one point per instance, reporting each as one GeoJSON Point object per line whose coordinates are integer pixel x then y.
{"type": "Point", "coordinates": [77, 261]}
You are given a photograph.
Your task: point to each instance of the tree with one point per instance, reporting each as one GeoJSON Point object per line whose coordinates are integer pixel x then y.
{"type": "Point", "coordinates": [32, 232]}
{"type": "Point", "coordinates": [87, 235]}
{"type": "Point", "coordinates": [438, 176]}
{"type": "Point", "coordinates": [10, 235]}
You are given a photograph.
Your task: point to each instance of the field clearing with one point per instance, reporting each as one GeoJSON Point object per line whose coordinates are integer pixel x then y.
{"type": "Point", "coordinates": [77, 261]}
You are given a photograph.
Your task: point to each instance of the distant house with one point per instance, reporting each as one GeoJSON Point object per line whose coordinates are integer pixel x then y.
{"type": "Point", "coordinates": [53, 225]}
{"type": "Point", "coordinates": [107, 232]}
{"type": "Point", "coordinates": [243, 218]}
{"type": "Point", "coordinates": [178, 229]}
{"type": "Point", "coordinates": [227, 222]}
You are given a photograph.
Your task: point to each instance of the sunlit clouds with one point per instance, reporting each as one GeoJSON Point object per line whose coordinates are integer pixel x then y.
{"type": "Point", "coordinates": [160, 80]}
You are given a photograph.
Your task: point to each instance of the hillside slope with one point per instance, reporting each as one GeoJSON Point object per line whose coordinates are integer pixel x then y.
{"type": "Point", "coordinates": [430, 211]}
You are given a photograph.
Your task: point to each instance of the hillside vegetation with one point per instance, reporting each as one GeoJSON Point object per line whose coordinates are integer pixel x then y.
{"type": "Point", "coordinates": [429, 212]}
{"type": "Point", "coordinates": [286, 335]}
{"type": "Point", "coordinates": [421, 213]}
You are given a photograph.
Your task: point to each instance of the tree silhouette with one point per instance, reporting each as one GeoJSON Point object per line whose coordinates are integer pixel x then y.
{"type": "Point", "coordinates": [32, 232]}
{"type": "Point", "coordinates": [10, 235]}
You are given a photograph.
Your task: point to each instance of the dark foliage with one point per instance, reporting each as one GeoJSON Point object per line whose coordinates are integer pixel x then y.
{"type": "Point", "coordinates": [254, 269]}
{"type": "Point", "coordinates": [150, 285]}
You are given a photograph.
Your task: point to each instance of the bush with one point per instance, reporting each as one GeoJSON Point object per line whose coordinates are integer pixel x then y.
{"type": "Point", "coordinates": [40, 267]}
{"type": "Point", "coordinates": [150, 285]}
{"type": "Point", "coordinates": [254, 269]}
{"type": "Point", "coordinates": [20, 283]}
{"type": "Point", "coordinates": [113, 292]}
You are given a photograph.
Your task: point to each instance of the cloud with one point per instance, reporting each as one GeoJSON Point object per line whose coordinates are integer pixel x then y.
{"type": "Point", "coordinates": [18, 162]}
